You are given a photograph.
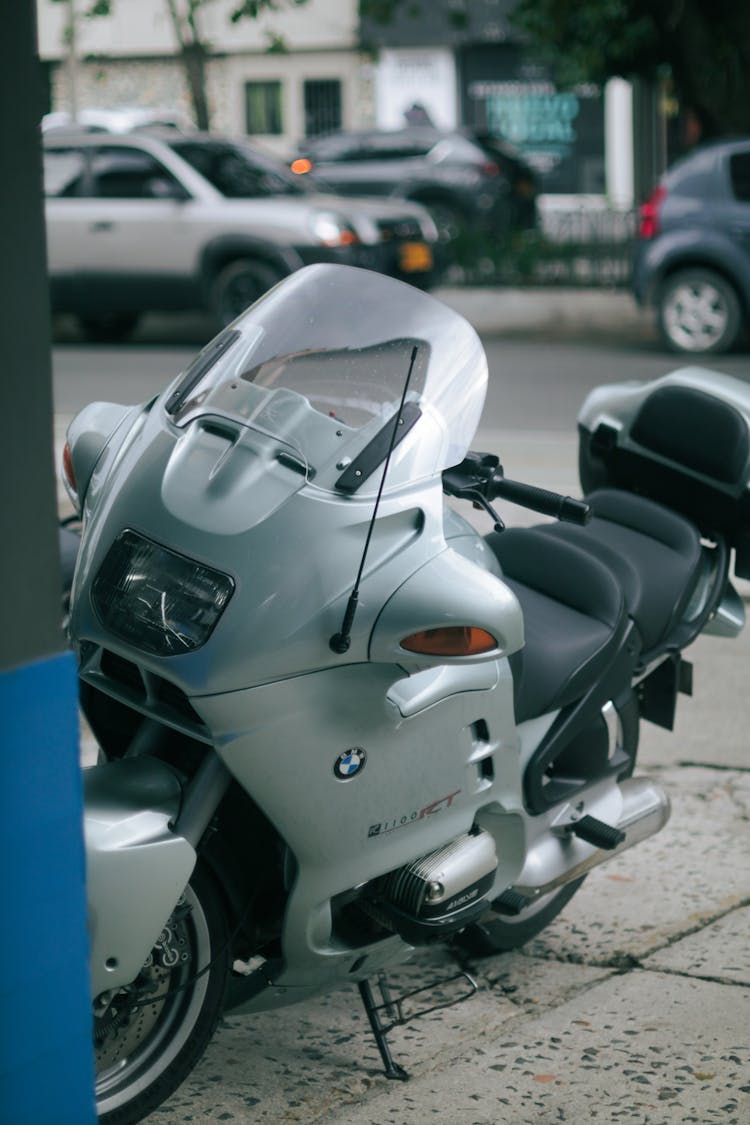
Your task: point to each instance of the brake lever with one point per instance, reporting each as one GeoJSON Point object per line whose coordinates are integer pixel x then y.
{"type": "Point", "coordinates": [480, 501]}
{"type": "Point", "coordinates": [467, 481]}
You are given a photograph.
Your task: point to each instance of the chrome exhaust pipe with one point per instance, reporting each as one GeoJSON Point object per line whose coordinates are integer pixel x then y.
{"type": "Point", "coordinates": [645, 810]}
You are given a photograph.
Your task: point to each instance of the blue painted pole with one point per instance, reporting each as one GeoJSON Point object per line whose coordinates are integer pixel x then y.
{"type": "Point", "coordinates": [46, 1068]}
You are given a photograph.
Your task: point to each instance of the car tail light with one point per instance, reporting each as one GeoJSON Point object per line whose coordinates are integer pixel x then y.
{"type": "Point", "coordinates": [489, 168]}
{"type": "Point", "coordinates": [650, 212]}
{"type": "Point", "coordinates": [301, 165]}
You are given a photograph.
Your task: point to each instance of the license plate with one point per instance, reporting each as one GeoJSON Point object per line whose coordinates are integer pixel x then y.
{"type": "Point", "coordinates": [414, 256]}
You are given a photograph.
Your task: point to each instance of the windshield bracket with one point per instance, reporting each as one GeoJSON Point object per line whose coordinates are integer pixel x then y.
{"type": "Point", "coordinates": [375, 452]}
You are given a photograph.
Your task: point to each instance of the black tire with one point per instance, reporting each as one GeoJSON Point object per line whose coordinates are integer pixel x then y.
{"type": "Point", "coordinates": [143, 1053]}
{"type": "Point", "coordinates": [238, 285]}
{"type": "Point", "coordinates": [699, 312]}
{"type": "Point", "coordinates": [502, 933]}
{"type": "Point", "coordinates": [108, 328]}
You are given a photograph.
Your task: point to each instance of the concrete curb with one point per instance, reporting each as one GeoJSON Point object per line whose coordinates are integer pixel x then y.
{"type": "Point", "coordinates": [501, 310]}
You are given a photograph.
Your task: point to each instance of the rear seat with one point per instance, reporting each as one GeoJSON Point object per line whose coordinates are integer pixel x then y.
{"type": "Point", "coordinates": [578, 587]}
{"type": "Point", "coordinates": [654, 553]}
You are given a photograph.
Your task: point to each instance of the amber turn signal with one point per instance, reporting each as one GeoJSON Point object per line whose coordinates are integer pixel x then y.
{"type": "Point", "coordinates": [301, 165]}
{"type": "Point", "coordinates": [67, 468]}
{"type": "Point", "coordinates": [451, 640]}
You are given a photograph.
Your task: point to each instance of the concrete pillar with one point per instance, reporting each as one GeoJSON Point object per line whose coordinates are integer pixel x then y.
{"type": "Point", "coordinates": [618, 142]}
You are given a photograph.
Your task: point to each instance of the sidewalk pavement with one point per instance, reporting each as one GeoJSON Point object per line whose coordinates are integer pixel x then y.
{"type": "Point", "coordinates": [550, 310]}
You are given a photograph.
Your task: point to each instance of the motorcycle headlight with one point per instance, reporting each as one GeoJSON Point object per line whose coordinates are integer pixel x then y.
{"type": "Point", "coordinates": [156, 600]}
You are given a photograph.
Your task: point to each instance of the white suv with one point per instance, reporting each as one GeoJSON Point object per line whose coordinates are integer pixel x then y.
{"type": "Point", "coordinates": [174, 222]}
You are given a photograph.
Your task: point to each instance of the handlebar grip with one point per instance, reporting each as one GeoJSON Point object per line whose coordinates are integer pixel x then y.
{"type": "Point", "coordinates": [541, 500]}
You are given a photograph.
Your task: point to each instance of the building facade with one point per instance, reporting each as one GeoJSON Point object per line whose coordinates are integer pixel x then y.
{"type": "Point", "coordinates": [278, 78]}
{"type": "Point", "coordinates": [580, 141]}
{"type": "Point", "coordinates": [316, 67]}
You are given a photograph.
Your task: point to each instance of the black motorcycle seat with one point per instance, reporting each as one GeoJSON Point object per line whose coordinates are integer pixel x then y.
{"type": "Point", "coordinates": [574, 618]}
{"type": "Point", "coordinates": [654, 553]}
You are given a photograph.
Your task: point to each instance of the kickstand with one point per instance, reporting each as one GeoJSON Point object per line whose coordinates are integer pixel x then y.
{"type": "Point", "coordinates": [392, 1006]}
{"type": "Point", "coordinates": [379, 1030]}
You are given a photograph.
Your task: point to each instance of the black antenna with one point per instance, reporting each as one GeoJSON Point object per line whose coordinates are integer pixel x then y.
{"type": "Point", "coordinates": [340, 641]}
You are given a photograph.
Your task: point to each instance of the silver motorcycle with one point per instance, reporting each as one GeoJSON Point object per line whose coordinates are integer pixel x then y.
{"type": "Point", "coordinates": [336, 721]}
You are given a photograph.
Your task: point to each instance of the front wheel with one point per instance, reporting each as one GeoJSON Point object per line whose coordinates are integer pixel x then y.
{"type": "Point", "coordinates": [699, 312]}
{"type": "Point", "coordinates": [149, 1035]}
{"type": "Point", "coordinates": [238, 285]}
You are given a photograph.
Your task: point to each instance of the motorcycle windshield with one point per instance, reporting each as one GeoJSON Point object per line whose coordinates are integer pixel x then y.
{"type": "Point", "coordinates": [330, 363]}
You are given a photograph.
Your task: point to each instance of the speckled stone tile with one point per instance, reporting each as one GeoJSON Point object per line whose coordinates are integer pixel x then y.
{"type": "Point", "coordinates": [690, 873]}
{"type": "Point", "coordinates": [305, 1063]}
{"type": "Point", "coordinates": [534, 984]}
{"type": "Point", "coordinates": [644, 1048]}
{"type": "Point", "coordinates": [711, 727]}
{"type": "Point", "coordinates": [300, 1063]}
{"type": "Point", "coordinates": [719, 952]}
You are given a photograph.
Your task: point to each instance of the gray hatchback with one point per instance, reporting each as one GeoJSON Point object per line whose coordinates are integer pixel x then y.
{"type": "Point", "coordinates": [692, 261]}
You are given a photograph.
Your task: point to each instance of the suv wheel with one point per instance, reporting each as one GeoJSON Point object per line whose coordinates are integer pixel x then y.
{"type": "Point", "coordinates": [238, 285]}
{"type": "Point", "coordinates": [699, 311]}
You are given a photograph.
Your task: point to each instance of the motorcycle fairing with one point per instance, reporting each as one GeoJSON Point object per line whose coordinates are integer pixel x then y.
{"type": "Point", "coordinates": [130, 849]}
{"type": "Point", "coordinates": [242, 469]}
{"type": "Point", "coordinates": [424, 779]}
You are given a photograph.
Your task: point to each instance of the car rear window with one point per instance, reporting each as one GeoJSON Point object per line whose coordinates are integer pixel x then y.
{"type": "Point", "coordinates": [739, 175]}
{"type": "Point", "coordinates": [386, 144]}
{"type": "Point", "coordinates": [457, 149]}
{"type": "Point", "coordinates": [337, 146]}
{"type": "Point", "coordinates": [695, 175]}
{"type": "Point", "coordinates": [392, 150]}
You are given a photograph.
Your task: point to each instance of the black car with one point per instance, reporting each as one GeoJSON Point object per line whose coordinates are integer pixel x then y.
{"type": "Point", "coordinates": [692, 261]}
{"type": "Point", "coordinates": [463, 178]}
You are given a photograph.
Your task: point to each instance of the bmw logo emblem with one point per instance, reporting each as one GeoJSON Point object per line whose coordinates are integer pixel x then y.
{"type": "Point", "coordinates": [350, 763]}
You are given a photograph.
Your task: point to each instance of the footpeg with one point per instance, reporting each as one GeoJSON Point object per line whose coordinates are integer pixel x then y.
{"type": "Point", "coordinates": [598, 833]}
{"type": "Point", "coordinates": [510, 902]}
